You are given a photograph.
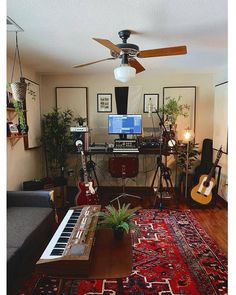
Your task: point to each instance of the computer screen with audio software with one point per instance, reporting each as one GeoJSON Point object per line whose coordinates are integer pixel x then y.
{"type": "Point", "coordinates": [125, 124]}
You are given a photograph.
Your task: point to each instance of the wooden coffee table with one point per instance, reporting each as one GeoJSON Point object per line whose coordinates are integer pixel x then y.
{"type": "Point", "coordinates": [111, 259]}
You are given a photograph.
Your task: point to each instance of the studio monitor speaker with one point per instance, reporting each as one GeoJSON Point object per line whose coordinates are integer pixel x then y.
{"type": "Point", "coordinates": [80, 137]}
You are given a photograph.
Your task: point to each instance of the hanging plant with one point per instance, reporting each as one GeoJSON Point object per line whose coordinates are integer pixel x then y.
{"type": "Point", "coordinates": [19, 109]}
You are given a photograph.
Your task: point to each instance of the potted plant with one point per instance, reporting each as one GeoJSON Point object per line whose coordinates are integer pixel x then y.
{"type": "Point", "coordinates": [80, 120]}
{"type": "Point", "coordinates": [56, 140]}
{"type": "Point", "coordinates": [119, 220]}
{"type": "Point", "coordinates": [173, 109]}
{"type": "Point", "coordinates": [181, 161]}
{"type": "Point", "coordinates": [182, 155]}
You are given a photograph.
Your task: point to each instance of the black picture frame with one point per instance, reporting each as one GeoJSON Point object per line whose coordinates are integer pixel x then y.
{"type": "Point", "coordinates": [154, 100]}
{"type": "Point", "coordinates": [104, 102]}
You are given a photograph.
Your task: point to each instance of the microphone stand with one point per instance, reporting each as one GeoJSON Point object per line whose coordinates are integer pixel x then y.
{"type": "Point", "coordinates": [164, 171]}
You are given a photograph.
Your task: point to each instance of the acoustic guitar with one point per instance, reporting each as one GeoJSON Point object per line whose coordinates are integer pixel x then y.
{"type": "Point", "coordinates": [86, 195]}
{"type": "Point", "coordinates": [202, 192]}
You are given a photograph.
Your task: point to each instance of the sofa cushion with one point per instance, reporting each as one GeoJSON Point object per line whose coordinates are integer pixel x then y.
{"type": "Point", "coordinates": [22, 222]}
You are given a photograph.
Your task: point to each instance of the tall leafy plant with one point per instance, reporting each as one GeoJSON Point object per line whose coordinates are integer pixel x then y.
{"type": "Point", "coordinates": [173, 109]}
{"type": "Point", "coordinates": [193, 154]}
{"type": "Point", "coordinates": [56, 139]}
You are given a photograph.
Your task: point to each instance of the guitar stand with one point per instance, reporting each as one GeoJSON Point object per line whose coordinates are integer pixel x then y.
{"type": "Point", "coordinates": [164, 173]}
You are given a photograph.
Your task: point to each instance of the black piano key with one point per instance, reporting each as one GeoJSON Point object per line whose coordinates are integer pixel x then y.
{"type": "Point", "coordinates": [62, 240]}
{"type": "Point", "coordinates": [68, 229]}
{"type": "Point", "coordinates": [72, 220]}
{"type": "Point", "coordinates": [59, 245]}
{"type": "Point", "coordinates": [70, 225]}
{"type": "Point", "coordinates": [75, 215]}
{"type": "Point", "coordinates": [78, 210]}
{"type": "Point", "coordinates": [56, 252]}
{"type": "Point", "coordinates": [64, 235]}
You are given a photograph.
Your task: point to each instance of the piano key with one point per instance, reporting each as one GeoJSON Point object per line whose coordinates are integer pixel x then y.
{"type": "Point", "coordinates": [56, 236]}
{"type": "Point", "coordinates": [60, 245]}
{"type": "Point", "coordinates": [68, 229]}
{"type": "Point", "coordinates": [65, 235]}
{"type": "Point", "coordinates": [62, 240]}
{"type": "Point", "coordinates": [56, 252]}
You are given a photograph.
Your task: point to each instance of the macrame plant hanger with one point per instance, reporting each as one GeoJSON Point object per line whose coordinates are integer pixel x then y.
{"type": "Point", "coordinates": [18, 88]}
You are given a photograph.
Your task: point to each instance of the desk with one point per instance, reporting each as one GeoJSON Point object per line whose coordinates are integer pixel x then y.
{"type": "Point", "coordinates": [111, 259]}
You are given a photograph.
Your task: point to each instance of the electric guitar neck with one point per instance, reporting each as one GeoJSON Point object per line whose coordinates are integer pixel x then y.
{"type": "Point", "coordinates": [86, 195]}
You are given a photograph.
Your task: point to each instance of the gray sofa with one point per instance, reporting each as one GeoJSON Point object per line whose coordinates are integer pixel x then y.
{"type": "Point", "coordinates": [30, 222]}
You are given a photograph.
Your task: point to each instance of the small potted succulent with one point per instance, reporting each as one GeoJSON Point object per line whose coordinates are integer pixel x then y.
{"type": "Point", "coordinates": [119, 220]}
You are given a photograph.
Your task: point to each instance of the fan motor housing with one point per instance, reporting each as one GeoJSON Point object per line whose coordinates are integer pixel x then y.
{"type": "Point", "coordinates": [128, 48]}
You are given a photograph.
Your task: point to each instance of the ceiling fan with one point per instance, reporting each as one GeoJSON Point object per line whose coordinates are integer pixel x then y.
{"type": "Point", "coordinates": [128, 52]}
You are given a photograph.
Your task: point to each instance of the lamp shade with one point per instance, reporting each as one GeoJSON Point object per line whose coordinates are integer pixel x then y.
{"type": "Point", "coordinates": [188, 135]}
{"type": "Point", "coordinates": [124, 73]}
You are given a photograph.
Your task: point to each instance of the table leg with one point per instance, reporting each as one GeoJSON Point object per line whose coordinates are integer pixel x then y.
{"type": "Point", "coordinates": [60, 287]}
{"type": "Point", "coordinates": [120, 290]}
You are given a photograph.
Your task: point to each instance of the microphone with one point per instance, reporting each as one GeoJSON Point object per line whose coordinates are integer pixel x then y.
{"type": "Point", "coordinates": [149, 108]}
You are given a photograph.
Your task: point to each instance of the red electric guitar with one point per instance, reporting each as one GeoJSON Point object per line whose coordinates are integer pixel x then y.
{"type": "Point", "coordinates": [87, 194]}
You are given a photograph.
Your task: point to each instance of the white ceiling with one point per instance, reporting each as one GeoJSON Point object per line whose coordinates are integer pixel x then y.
{"type": "Point", "coordinates": [58, 33]}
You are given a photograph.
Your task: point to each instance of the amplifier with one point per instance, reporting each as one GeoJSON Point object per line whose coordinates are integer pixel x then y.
{"type": "Point", "coordinates": [148, 142]}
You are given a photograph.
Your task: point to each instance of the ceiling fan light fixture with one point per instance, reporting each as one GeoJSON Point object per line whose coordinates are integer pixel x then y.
{"type": "Point", "coordinates": [124, 73]}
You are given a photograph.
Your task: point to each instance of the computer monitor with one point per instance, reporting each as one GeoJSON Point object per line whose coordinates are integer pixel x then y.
{"type": "Point", "coordinates": [124, 124]}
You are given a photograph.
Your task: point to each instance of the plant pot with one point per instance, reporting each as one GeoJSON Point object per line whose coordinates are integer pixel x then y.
{"type": "Point", "coordinates": [118, 233]}
{"type": "Point", "coordinates": [23, 131]}
{"type": "Point", "coordinates": [19, 89]}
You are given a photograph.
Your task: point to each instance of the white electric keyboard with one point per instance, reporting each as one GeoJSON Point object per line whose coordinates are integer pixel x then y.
{"type": "Point", "coordinates": [71, 243]}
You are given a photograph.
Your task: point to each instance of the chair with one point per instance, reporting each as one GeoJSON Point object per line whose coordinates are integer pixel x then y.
{"type": "Point", "coordinates": [123, 167]}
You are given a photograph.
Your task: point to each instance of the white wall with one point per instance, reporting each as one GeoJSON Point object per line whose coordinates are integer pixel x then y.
{"type": "Point", "coordinates": [220, 77]}
{"type": "Point", "coordinates": [150, 83]}
{"type": "Point", "coordinates": [22, 165]}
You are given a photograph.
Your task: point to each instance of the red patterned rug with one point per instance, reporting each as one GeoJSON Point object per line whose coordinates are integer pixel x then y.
{"type": "Point", "coordinates": [172, 254]}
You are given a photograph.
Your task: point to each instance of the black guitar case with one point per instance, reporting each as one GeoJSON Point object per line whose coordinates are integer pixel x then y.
{"type": "Point", "coordinates": [206, 160]}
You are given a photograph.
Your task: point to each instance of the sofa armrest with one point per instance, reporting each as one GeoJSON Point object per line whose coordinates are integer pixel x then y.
{"type": "Point", "coordinates": [29, 198]}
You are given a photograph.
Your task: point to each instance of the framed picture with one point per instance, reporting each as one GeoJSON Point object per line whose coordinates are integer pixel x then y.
{"type": "Point", "coordinates": [33, 115]}
{"type": "Point", "coordinates": [150, 102]}
{"type": "Point", "coordinates": [12, 128]}
{"type": "Point", "coordinates": [104, 102]}
{"type": "Point", "coordinates": [10, 100]}
{"type": "Point", "coordinates": [187, 95]}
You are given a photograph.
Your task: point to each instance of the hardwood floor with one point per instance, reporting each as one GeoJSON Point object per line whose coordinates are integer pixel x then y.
{"type": "Point", "coordinates": [213, 220]}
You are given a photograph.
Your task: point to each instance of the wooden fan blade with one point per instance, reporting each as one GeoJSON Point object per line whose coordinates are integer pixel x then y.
{"type": "Point", "coordinates": [108, 44]}
{"type": "Point", "coordinates": [135, 64]}
{"type": "Point", "coordinates": [163, 51]}
{"type": "Point", "coordinates": [93, 62]}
